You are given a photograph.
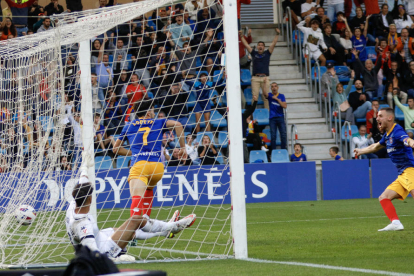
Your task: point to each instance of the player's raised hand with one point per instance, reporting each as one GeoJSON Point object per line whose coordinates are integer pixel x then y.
{"type": "Point", "coordinates": [87, 160]}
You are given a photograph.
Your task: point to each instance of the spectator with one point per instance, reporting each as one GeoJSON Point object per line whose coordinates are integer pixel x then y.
{"type": "Point", "coordinates": [64, 164]}
{"type": "Point", "coordinates": [253, 136]}
{"type": "Point", "coordinates": [103, 69]}
{"type": "Point", "coordinates": [308, 8]}
{"type": "Point", "coordinates": [371, 115]}
{"type": "Point", "coordinates": [105, 4]}
{"type": "Point", "coordinates": [189, 21]}
{"type": "Point", "coordinates": [402, 95]}
{"type": "Point", "coordinates": [135, 91]}
{"type": "Point", "coordinates": [409, 80]}
{"type": "Point", "coordinates": [165, 156]}
{"type": "Point", "coordinates": [340, 96]}
{"type": "Point", "coordinates": [363, 140]}
{"type": "Point", "coordinates": [45, 26]}
{"type": "Point", "coordinates": [74, 5]}
{"type": "Point", "coordinates": [140, 57]}
{"type": "Point", "coordinates": [179, 159]}
{"type": "Point", "coordinates": [33, 13]}
{"type": "Point", "coordinates": [277, 104]}
{"type": "Point", "coordinates": [359, 21]}
{"type": "Point", "coordinates": [246, 114]}
{"type": "Point", "coordinates": [207, 152]}
{"type": "Point", "coordinates": [383, 53]}
{"type": "Point", "coordinates": [53, 8]}
{"type": "Point", "coordinates": [119, 52]}
{"type": "Point", "coordinates": [359, 101]}
{"type": "Point", "coordinates": [298, 156]}
{"type": "Point", "coordinates": [239, 2]}
{"type": "Point", "coordinates": [180, 31]}
{"type": "Point", "coordinates": [335, 50]}
{"type": "Point", "coordinates": [20, 11]}
{"type": "Point", "coordinates": [113, 115]}
{"type": "Point", "coordinates": [96, 46]}
{"type": "Point", "coordinates": [192, 7]}
{"type": "Point", "coordinates": [339, 27]}
{"type": "Point", "coordinates": [314, 39]}
{"type": "Point", "coordinates": [406, 43]}
{"type": "Point", "coordinates": [244, 57]}
{"type": "Point", "coordinates": [321, 17]}
{"type": "Point", "coordinates": [191, 149]}
{"type": "Point", "coordinates": [7, 28]}
{"type": "Point", "coordinates": [371, 7]}
{"type": "Point", "coordinates": [346, 43]}
{"type": "Point", "coordinates": [402, 19]}
{"type": "Point", "coordinates": [408, 113]}
{"type": "Point", "coordinates": [170, 138]}
{"type": "Point", "coordinates": [333, 152]}
{"type": "Point", "coordinates": [369, 74]}
{"type": "Point", "coordinates": [77, 137]}
{"type": "Point", "coordinates": [295, 11]}
{"type": "Point", "coordinates": [101, 138]}
{"type": "Point", "coordinates": [335, 6]}
{"type": "Point", "coordinates": [98, 97]}
{"type": "Point", "coordinates": [393, 39]}
{"type": "Point", "coordinates": [329, 78]}
{"type": "Point", "coordinates": [175, 105]}
{"type": "Point", "coordinates": [350, 7]}
{"type": "Point", "coordinates": [203, 89]}
{"type": "Point", "coordinates": [261, 61]}
{"type": "Point", "coordinates": [359, 42]}
{"type": "Point", "coordinates": [383, 22]}
{"type": "Point", "coordinates": [159, 61]}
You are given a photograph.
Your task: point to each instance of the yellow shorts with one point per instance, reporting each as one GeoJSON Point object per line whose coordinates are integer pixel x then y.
{"type": "Point", "coordinates": [148, 172]}
{"type": "Point", "coordinates": [403, 184]}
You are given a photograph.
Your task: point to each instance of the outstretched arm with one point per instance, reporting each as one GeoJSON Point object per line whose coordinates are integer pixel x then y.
{"type": "Point", "coordinates": [366, 25]}
{"type": "Point", "coordinates": [272, 46]}
{"type": "Point", "coordinates": [246, 45]}
{"type": "Point", "coordinates": [178, 127]}
{"type": "Point", "coordinates": [101, 50]}
{"type": "Point", "coordinates": [346, 24]}
{"type": "Point", "coordinates": [370, 149]}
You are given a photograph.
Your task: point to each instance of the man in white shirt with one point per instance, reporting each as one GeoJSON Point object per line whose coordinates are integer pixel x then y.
{"type": "Point", "coordinates": [83, 229]}
{"type": "Point", "coordinates": [309, 8]}
{"type": "Point", "coordinates": [362, 140]}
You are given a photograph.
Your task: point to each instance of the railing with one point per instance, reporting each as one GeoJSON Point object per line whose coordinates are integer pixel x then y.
{"type": "Point", "coordinates": [337, 127]}
{"type": "Point", "coordinates": [279, 10]}
{"type": "Point", "coordinates": [307, 69]}
{"type": "Point", "coordinates": [293, 129]}
{"type": "Point", "coordinates": [318, 85]}
{"type": "Point", "coordinates": [287, 125]}
{"type": "Point", "coordinates": [347, 132]}
{"type": "Point", "coordinates": [289, 31]}
{"type": "Point", "coordinates": [328, 106]}
{"type": "Point", "coordinates": [298, 44]}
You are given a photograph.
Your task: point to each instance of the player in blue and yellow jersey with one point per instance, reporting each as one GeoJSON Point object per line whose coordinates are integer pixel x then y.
{"type": "Point", "coordinates": [399, 148]}
{"type": "Point", "coordinates": [145, 138]}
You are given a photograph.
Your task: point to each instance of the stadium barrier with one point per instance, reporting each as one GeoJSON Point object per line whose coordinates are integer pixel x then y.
{"type": "Point", "coordinates": [383, 174]}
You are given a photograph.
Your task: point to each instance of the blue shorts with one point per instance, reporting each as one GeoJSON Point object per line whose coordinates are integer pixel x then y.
{"type": "Point", "coordinates": [202, 106]}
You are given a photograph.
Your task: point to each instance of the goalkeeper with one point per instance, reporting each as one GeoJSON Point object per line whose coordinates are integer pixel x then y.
{"type": "Point", "coordinates": [83, 229]}
{"type": "Point", "coordinates": [145, 137]}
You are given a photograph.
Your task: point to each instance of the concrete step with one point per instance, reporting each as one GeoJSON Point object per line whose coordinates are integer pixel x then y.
{"type": "Point", "coordinates": [309, 128]}
{"type": "Point", "coordinates": [300, 115]}
{"type": "Point", "coordinates": [284, 76]}
{"type": "Point", "coordinates": [314, 135]}
{"type": "Point", "coordinates": [299, 121]}
{"type": "Point", "coordinates": [283, 69]}
{"type": "Point", "coordinates": [302, 107]}
{"type": "Point", "coordinates": [314, 141]}
{"type": "Point", "coordinates": [284, 62]}
{"type": "Point", "coordinates": [300, 100]}
{"type": "Point", "coordinates": [295, 82]}
{"type": "Point", "coordinates": [318, 156]}
{"type": "Point", "coordinates": [318, 148]}
{"type": "Point", "coordinates": [292, 95]}
{"type": "Point", "coordinates": [285, 54]}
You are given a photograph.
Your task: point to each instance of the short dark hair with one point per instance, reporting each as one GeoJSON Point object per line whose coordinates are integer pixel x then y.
{"type": "Point", "coordinates": [383, 5]}
{"type": "Point", "coordinates": [298, 144]}
{"type": "Point", "coordinates": [383, 39]}
{"type": "Point", "coordinates": [327, 25]}
{"type": "Point", "coordinates": [362, 126]}
{"type": "Point", "coordinates": [389, 110]}
{"type": "Point", "coordinates": [334, 149]}
{"type": "Point", "coordinates": [375, 101]}
{"type": "Point", "coordinates": [314, 21]}
{"type": "Point", "coordinates": [261, 42]}
{"type": "Point", "coordinates": [81, 192]}
{"type": "Point", "coordinates": [97, 115]}
{"type": "Point", "coordinates": [94, 74]}
{"type": "Point", "coordinates": [319, 8]}
{"type": "Point", "coordinates": [410, 98]}
{"type": "Point", "coordinates": [141, 108]}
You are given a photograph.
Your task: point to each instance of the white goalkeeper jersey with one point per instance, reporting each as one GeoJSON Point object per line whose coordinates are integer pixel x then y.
{"type": "Point", "coordinates": [82, 228]}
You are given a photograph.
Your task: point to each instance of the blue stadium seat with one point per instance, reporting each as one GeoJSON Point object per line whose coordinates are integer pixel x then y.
{"type": "Point", "coordinates": [314, 72]}
{"type": "Point", "coordinates": [220, 158]}
{"type": "Point", "coordinates": [371, 53]}
{"type": "Point", "coordinates": [122, 161]}
{"type": "Point", "coordinates": [217, 120]}
{"type": "Point", "coordinates": [280, 156]}
{"type": "Point", "coordinates": [249, 97]}
{"type": "Point", "coordinates": [340, 69]}
{"type": "Point", "coordinates": [361, 120]}
{"type": "Point", "coordinates": [399, 115]}
{"type": "Point", "coordinates": [352, 89]}
{"type": "Point", "coordinates": [217, 75]}
{"type": "Point", "coordinates": [223, 139]}
{"type": "Point", "coordinates": [383, 106]}
{"type": "Point", "coordinates": [245, 77]}
{"type": "Point", "coordinates": [262, 116]}
{"type": "Point", "coordinates": [257, 155]}
{"type": "Point", "coordinates": [199, 64]}
{"type": "Point", "coordinates": [200, 136]}
{"type": "Point", "coordinates": [45, 121]}
{"type": "Point", "coordinates": [192, 121]}
{"type": "Point", "coordinates": [103, 163]}
{"type": "Point", "coordinates": [354, 130]}
{"type": "Point", "coordinates": [295, 36]}
{"type": "Point", "coordinates": [150, 95]}
{"type": "Point", "coordinates": [220, 36]}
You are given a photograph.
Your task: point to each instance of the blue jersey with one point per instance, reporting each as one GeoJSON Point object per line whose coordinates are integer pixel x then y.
{"type": "Point", "coordinates": [400, 154]}
{"type": "Point", "coordinates": [295, 158]}
{"type": "Point", "coordinates": [338, 157]}
{"type": "Point", "coordinates": [275, 109]}
{"type": "Point", "coordinates": [145, 138]}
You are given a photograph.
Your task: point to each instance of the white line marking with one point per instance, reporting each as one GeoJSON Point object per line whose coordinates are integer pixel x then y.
{"type": "Point", "coordinates": [362, 270]}
{"type": "Point", "coordinates": [327, 219]}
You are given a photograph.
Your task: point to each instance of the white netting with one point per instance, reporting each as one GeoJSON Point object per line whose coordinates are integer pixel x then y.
{"type": "Point", "coordinates": [134, 59]}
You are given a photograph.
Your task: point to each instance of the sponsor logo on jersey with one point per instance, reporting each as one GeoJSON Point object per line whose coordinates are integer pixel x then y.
{"type": "Point", "coordinates": [84, 230]}
{"type": "Point", "coordinates": [391, 150]}
{"type": "Point", "coordinates": [391, 140]}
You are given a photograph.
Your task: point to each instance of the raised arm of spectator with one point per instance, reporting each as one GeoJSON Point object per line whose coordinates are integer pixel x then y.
{"type": "Point", "coordinates": [111, 44]}
{"type": "Point", "coordinates": [349, 87]}
{"type": "Point", "coordinates": [275, 39]}
{"type": "Point", "coordinates": [246, 45]}
{"type": "Point", "coordinates": [366, 25]}
{"type": "Point", "coordinates": [358, 61]}
{"type": "Point", "coordinates": [397, 101]}
{"type": "Point", "coordinates": [346, 24]}
{"type": "Point", "coordinates": [22, 5]}
{"type": "Point", "coordinates": [101, 50]}
{"type": "Point", "coordinates": [378, 65]}
{"type": "Point", "coordinates": [249, 111]}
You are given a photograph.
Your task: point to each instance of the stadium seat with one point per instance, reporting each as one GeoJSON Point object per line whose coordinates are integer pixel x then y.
{"type": "Point", "coordinates": [245, 77]}
{"type": "Point", "coordinates": [371, 53]}
{"type": "Point", "coordinates": [249, 97]}
{"type": "Point", "coordinates": [341, 69]}
{"type": "Point", "coordinates": [122, 161]}
{"type": "Point", "coordinates": [399, 115]}
{"type": "Point", "coordinates": [262, 116]}
{"type": "Point", "coordinates": [198, 62]}
{"type": "Point", "coordinates": [361, 120]}
{"type": "Point", "coordinates": [103, 163]}
{"type": "Point", "coordinates": [217, 75]}
{"type": "Point", "coordinates": [217, 120]}
{"type": "Point", "coordinates": [383, 106]}
{"type": "Point", "coordinates": [220, 158]}
{"type": "Point", "coordinates": [192, 121]}
{"type": "Point", "coordinates": [314, 72]}
{"type": "Point", "coordinates": [150, 95]}
{"type": "Point", "coordinates": [295, 36]}
{"type": "Point", "coordinates": [280, 156]}
{"type": "Point", "coordinates": [354, 130]}
{"type": "Point", "coordinates": [223, 139]}
{"type": "Point", "coordinates": [45, 121]}
{"type": "Point", "coordinates": [353, 89]}
{"type": "Point", "coordinates": [201, 134]}
{"type": "Point", "coordinates": [258, 155]}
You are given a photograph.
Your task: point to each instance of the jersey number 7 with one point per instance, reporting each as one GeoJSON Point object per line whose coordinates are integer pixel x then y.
{"type": "Point", "coordinates": [146, 131]}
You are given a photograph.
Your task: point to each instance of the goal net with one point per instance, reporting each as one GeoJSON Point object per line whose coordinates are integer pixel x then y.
{"type": "Point", "coordinates": [55, 103]}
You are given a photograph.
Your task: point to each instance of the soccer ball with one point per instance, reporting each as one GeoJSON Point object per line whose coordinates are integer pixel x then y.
{"type": "Point", "coordinates": [25, 214]}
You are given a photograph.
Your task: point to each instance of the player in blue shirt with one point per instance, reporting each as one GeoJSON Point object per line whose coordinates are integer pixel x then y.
{"type": "Point", "coordinates": [298, 156]}
{"type": "Point", "coordinates": [145, 137]}
{"type": "Point", "coordinates": [399, 148]}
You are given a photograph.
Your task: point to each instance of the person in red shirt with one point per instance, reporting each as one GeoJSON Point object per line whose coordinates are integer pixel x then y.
{"type": "Point", "coordinates": [135, 91]}
{"type": "Point", "coordinates": [371, 115]}
{"type": "Point", "coordinates": [242, 50]}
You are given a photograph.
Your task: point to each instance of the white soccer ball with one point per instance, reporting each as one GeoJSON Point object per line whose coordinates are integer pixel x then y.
{"type": "Point", "coordinates": [25, 215]}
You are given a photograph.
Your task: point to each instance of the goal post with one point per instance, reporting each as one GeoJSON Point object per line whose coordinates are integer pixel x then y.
{"type": "Point", "coordinates": [52, 85]}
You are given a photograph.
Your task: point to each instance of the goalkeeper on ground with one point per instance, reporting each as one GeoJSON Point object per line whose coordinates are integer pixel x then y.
{"type": "Point", "coordinates": [83, 229]}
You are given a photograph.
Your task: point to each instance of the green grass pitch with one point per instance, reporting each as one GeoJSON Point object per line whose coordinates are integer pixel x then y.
{"type": "Point", "coordinates": [337, 233]}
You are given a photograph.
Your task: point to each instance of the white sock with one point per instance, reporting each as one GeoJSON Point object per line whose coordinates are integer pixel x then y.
{"type": "Point", "coordinates": [154, 226]}
{"type": "Point", "coordinates": [141, 235]}
{"type": "Point", "coordinates": [396, 222]}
